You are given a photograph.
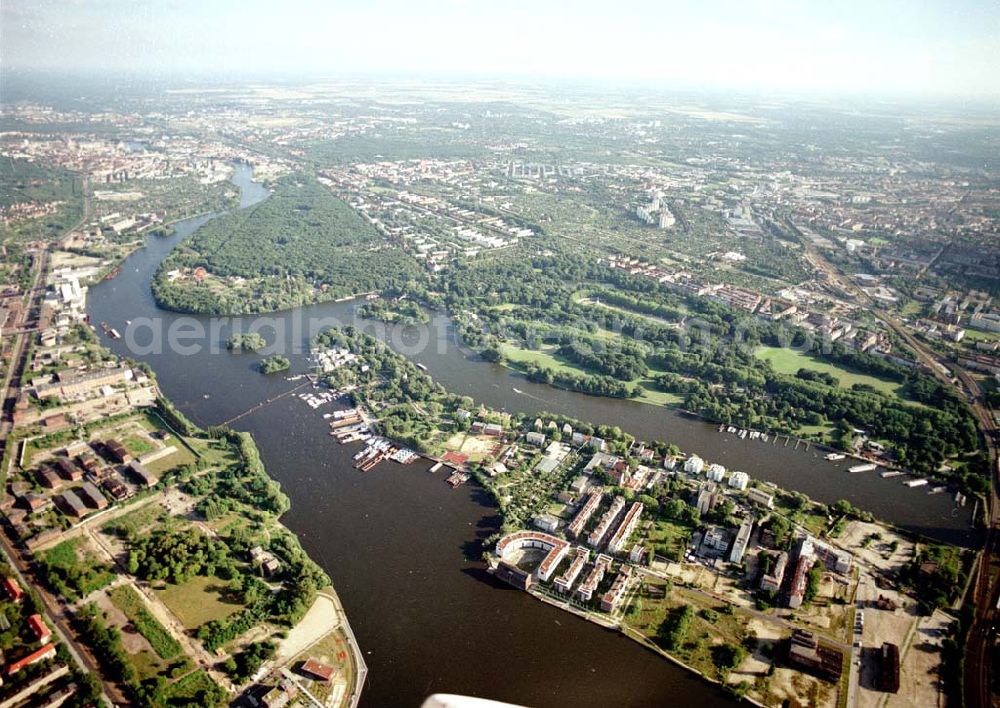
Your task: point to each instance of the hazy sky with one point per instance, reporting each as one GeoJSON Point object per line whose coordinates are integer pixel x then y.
{"type": "Point", "coordinates": [898, 46]}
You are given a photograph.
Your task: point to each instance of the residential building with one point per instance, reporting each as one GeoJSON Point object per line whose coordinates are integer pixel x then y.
{"type": "Point", "coordinates": [772, 581]}
{"type": "Point", "coordinates": [625, 529]}
{"type": "Point", "coordinates": [716, 472]}
{"type": "Point", "coordinates": [46, 652]}
{"type": "Point", "coordinates": [763, 498]}
{"type": "Point", "coordinates": [579, 521]}
{"type": "Point", "coordinates": [614, 595]}
{"type": "Point", "coordinates": [38, 627]}
{"type": "Point", "coordinates": [564, 583]}
{"type": "Point", "coordinates": [596, 536]}
{"type": "Point", "coordinates": [556, 547]}
{"type": "Point", "coordinates": [12, 589]}
{"type": "Point", "coordinates": [694, 465]}
{"type": "Point", "coordinates": [742, 541]}
{"type": "Point", "coordinates": [586, 590]}
{"type": "Point", "coordinates": [739, 480]}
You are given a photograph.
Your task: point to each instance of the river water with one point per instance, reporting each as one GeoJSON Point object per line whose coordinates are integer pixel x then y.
{"type": "Point", "coordinates": [403, 548]}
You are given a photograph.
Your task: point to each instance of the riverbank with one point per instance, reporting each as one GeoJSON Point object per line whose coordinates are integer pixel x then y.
{"type": "Point", "coordinates": [641, 639]}
{"type": "Point", "coordinates": [345, 635]}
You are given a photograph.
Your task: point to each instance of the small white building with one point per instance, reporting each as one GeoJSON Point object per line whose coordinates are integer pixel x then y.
{"type": "Point", "coordinates": [739, 480]}
{"type": "Point", "coordinates": [716, 472]}
{"type": "Point", "coordinates": [694, 465]}
{"type": "Point", "coordinates": [534, 438]}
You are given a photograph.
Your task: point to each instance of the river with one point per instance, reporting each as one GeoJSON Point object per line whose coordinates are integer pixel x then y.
{"type": "Point", "coordinates": [403, 549]}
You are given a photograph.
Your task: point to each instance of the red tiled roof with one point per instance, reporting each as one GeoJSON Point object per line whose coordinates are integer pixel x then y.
{"type": "Point", "coordinates": [37, 655]}
{"type": "Point", "coordinates": [37, 626]}
{"type": "Point", "coordinates": [320, 671]}
{"type": "Point", "coordinates": [14, 591]}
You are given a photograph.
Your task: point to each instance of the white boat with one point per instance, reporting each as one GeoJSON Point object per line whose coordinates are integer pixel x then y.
{"type": "Point", "coordinates": [834, 456]}
{"type": "Point", "coordinates": [915, 482]}
{"type": "Point", "coordinates": [421, 366]}
{"type": "Point", "coordinates": [862, 468]}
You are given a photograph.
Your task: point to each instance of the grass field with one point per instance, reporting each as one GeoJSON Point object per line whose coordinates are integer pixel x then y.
{"type": "Point", "coordinates": [475, 447]}
{"type": "Point", "coordinates": [180, 458]}
{"type": "Point", "coordinates": [647, 614]}
{"type": "Point", "coordinates": [127, 599]}
{"type": "Point", "coordinates": [197, 601]}
{"type": "Point", "coordinates": [975, 335]}
{"type": "Point", "coordinates": [135, 521]}
{"type": "Point", "coordinates": [138, 445]}
{"type": "Point", "coordinates": [542, 357]}
{"type": "Point", "coordinates": [545, 357]}
{"type": "Point", "coordinates": [789, 361]}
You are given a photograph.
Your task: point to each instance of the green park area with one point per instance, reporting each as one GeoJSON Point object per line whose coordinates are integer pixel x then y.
{"type": "Point", "coordinates": [519, 358]}
{"type": "Point", "coordinates": [789, 361]}
{"type": "Point", "coordinates": [198, 600]}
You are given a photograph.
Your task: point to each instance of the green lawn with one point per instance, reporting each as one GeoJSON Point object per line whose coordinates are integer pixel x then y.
{"type": "Point", "coordinates": [975, 335]}
{"type": "Point", "coordinates": [911, 308]}
{"type": "Point", "coordinates": [789, 361]}
{"type": "Point", "coordinates": [655, 397]}
{"type": "Point", "coordinates": [197, 601]}
{"type": "Point", "coordinates": [174, 460]}
{"type": "Point", "coordinates": [135, 521]}
{"type": "Point", "coordinates": [543, 357]}
{"type": "Point", "coordinates": [138, 445]}
{"type": "Point", "coordinates": [547, 358]}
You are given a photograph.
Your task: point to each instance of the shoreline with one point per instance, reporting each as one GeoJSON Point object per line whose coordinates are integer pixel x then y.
{"type": "Point", "coordinates": [361, 668]}
{"type": "Point", "coordinates": [623, 629]}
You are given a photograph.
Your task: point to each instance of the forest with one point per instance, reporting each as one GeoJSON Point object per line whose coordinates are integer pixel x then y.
{"type": "Point", "coordinates": [300, 245]}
